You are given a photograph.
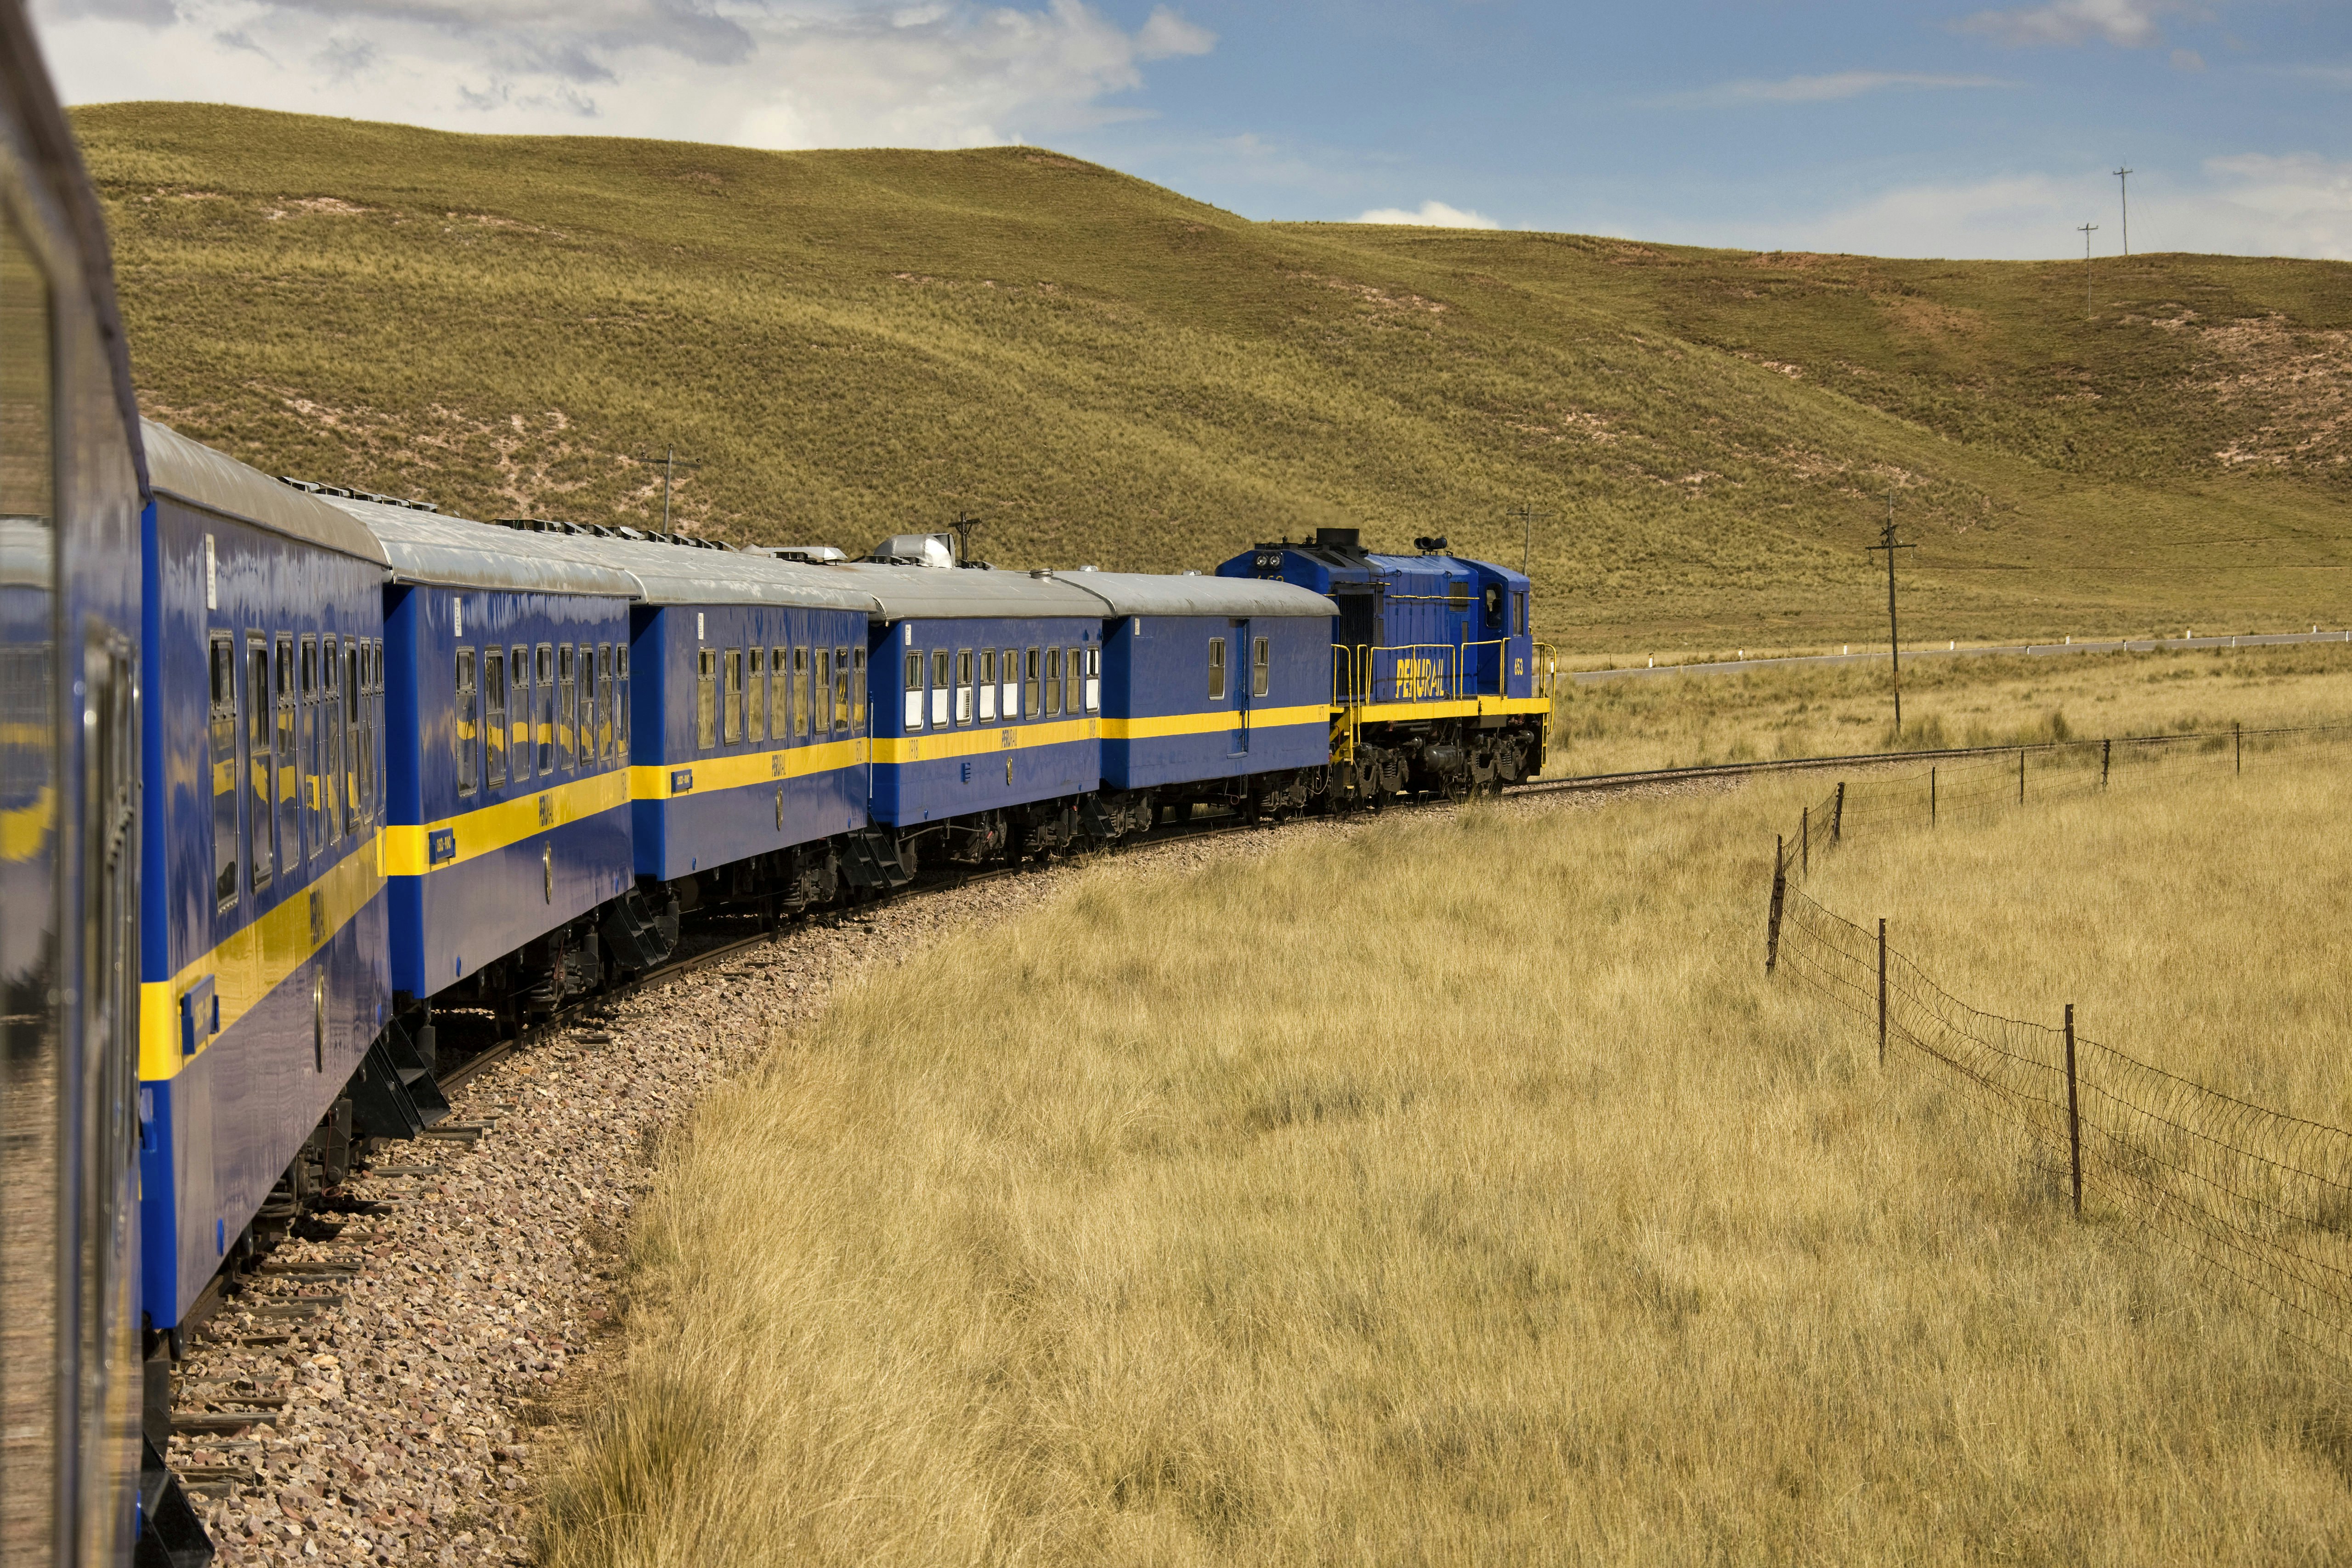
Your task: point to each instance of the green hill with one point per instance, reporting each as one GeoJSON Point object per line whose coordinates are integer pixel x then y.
{"type": "Point", "coordinates": [854, 343]}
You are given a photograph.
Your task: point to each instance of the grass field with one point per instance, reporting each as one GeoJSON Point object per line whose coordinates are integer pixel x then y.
{"type": "Point", "coordinates": [858, 343]}
{"type": "Point", "coordinates": [1658, 721]}
{"type": "Point", "coordinates": [1460, 1191]}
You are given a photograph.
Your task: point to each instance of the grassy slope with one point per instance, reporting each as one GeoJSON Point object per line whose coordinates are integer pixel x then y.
{"type": "Point", "coordinates": [856, 342]}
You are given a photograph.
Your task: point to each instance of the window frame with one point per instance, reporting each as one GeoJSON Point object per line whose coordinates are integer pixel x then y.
{"type": "Point", "coordinates": [856, 690]}
{"type": "Point", "coordinates": [964, 666]}
{"type": "Point", "coordinates": [823, 679]}
{"type": "Point", "coordinates": [254, 725]}
{"type": "Point", "coordinates": [1033, 671]}
{"type": "Point", "coordinates": [1008, 676]}
{"type": "Point", "coordinates": [519, 690]}
{"type": "Point", "coordinates": [705, 699]}
{"type": "Point", "coordinates": [621, 700]}
{"type": "Point", "coordinates": [287, 708]}
{"type": "Point", "coordinates": [1217, 669]}
{"type": "Point", "coordinates": [1261, 665]}
{"type": "Point", "coordinates": [914, 695]}
{"type": "Point", "coordinates": [567, 706]}
{"type": "Point", "coordinates": [780, 693]}
{"type": "Point", "coordinates": [1053, 683]}
{"type": "Point", "coordinates": [224, 725]}
{"type": "Point", "coordinates": [803, 700]}
{"type": "Point", "coordinates": [465, 723]}
{"type": "Point", "coordinates": [987, 685]}
{"type": "Point", "coordinates": [755, 695]}
{"type": "Point", "coordinates": [543, 715]}
{"type": "Point", "coordinates": [312, 787]}
{"type": "Point", "coordinates": [840, 690]}
{"type": "Point", "coordinates": [494, 716]}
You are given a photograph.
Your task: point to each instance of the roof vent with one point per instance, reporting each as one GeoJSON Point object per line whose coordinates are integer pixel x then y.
{"type": "Point", "coordinates": [806, 553]}
{"type": "Point", "coordinates": [1041, 571]}
{"type": "Point", "coordinates": [916, 550]}
{"type": "Point", "coordinates": [1339, 538]}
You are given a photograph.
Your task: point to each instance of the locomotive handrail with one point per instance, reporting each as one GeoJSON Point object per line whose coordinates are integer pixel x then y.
{"type": "Point", "coordinates": [1447, 678]}
{"type": "Point", "coordinates": [1465, 678]}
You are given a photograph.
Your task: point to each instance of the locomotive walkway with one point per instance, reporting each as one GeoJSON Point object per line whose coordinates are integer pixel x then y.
{"type": "Point", "coordinates": [2125, 645]}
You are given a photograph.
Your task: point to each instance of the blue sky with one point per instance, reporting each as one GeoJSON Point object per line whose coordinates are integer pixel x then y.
{"type": "Point", "coordinates": [1911, 129]}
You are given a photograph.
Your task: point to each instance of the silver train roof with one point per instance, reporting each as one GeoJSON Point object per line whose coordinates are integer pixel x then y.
{"type": "Point", "coordinates": [193, 474]}
{"type": "Point", "coordinates": [450, 551]}
{"type": "Point", "coordinates": [950, 594]}
{"type": "Point", "coordinates": [1149, 593]}
{"type": "Point", "coordinates": [681, 575]}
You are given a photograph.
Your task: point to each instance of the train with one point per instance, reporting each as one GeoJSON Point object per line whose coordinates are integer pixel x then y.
{"type": "Point", "coordinates": [295, 773]}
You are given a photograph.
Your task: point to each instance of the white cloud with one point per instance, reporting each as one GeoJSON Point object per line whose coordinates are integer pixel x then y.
{"type": "Point", "coordinates": [2253, 204]}
{"type": "Point", "coordinates": [2131, 23]}
{"type": "Point", "coordinates": [1816, 88]}
{"type": "Point", "coordinates": [769, 73]}
{"type": "Point", "coordinates": [2188, 61]}
{"type": "Point", "coordinates": [1432, 214]}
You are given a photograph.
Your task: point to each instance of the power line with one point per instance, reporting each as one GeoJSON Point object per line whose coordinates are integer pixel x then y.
{"type": "Point", "coordinates": [2123, 180]}
{"type": "Point", "coordinates": [1527, 517]}
{"type": "Point", "coordinates": [1894, 642]}
{"type": "Point", "coordinates": [2088, 231]}
{"type": "Point", "coordinates": [671, 464]}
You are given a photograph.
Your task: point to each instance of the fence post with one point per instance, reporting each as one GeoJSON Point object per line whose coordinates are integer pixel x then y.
{"type": "Point", "coordinates": [2238, 735]}
{"type": "Point", "coordinates": [2021, 775]}
{"type": "Point", "coordinates": [1931, 797]}
{"type": "Point", "coordinates": [1780, 891]}
{"type": "Point", "coordinates": [2073, 1114]}
{"type": "Point", "coordinates": [1837, 816]}
{"type": "Point", "coordinates": [1805, 842]}
{"type": "Point", "coordinates": [2106, 756]}
{"type": "Point", "coordinates": [1881, 991]}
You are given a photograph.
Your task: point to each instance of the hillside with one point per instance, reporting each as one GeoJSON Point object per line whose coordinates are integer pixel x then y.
{"type": "Point", "coordinates": [852, 343]}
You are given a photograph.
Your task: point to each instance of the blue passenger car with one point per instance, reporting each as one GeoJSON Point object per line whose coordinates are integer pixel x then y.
{"type": "Point", "coordinates": [1215, 689]}
{"type": "Point", "coordinates": [506, 800]}
{"type": "Point", "coordinates": [987, 725]}
{"type": "Point", "coordinates": [263, 959]}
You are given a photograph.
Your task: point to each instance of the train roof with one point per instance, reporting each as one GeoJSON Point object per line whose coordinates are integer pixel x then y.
{"type": "Point", "coordinates": [682, 575]}
{"type": "Point", "coordinates": [1152, 594]}
{"type": "Point", "coordinates": [445, 550]}
{"type": "Point", "coordinates": [193, 474]}
{"type": "Point", "coordinates": [952, 594]}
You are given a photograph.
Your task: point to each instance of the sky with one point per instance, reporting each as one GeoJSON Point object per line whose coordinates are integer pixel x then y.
{"type": "Point", "coordinates": [1893, 127]}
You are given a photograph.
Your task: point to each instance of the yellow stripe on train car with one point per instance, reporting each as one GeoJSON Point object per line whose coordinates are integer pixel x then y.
{"type": "Point", "coordinates": [736, 770]}
{"type": "Point", "coordinates": [407, 847]}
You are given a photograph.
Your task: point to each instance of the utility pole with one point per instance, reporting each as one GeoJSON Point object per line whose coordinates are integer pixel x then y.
{"type": "Point", "coordinates": [2087, 230]}
{"type": "Point", "coordinates": [1894, 642]}
{"type": "Point", "coordinates": [2123, 180]}
{"type": "Point", "coordinates": [670, 466]}
{"type": "Point", "coordinates": [963, 528]}
{"type": "Point", "coordinates": [1526, 516]}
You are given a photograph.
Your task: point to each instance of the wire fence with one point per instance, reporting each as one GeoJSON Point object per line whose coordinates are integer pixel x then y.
{"type": "Point", "coordinates": [2260, 1201]}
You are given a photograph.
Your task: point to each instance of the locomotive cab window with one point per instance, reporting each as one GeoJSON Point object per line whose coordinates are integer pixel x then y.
{"type": "Point", "coordinates": [1494, 597]}
{"type": "Point", "coordinates": [940, 657]}
{"type": "Point", "coordinates": [1216, 669]}
{"type": "Point", "coordinates": [706, 697]}
{"type": "Point", "coordinates": [755, 694]}
{"type": "Point", "coordinates": [494, 712]}
{"type": "Point", "coordinates": [1261, 666]}
{"type": "Point", "coordinates": [987, 685]}
{"type": "Point", "coordinates": [1052, 681]}
{"type": "Point", "coordinates": [567, 704]}
{"type": "Point", "coordinates": [468, 723]}
{"type": "Point", "coordinates": [544, 692]}
{"type": "Point", "coordinates": [964, 686]}
{"type": "Point", "coordinates": [258, 755]}
{"type": "Point", "coordinates": [734, 695]}
{"type": "Point", "coordinates": [1520, 600]}
{"type": "Point", "coordinates": [519, 728]}
{"type": "Point", "coordinates": [840, 689]}
{"type": "Point", "coordinates": [914, 690]}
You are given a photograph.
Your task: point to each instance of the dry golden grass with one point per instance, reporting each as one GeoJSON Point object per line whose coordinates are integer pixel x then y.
{"type": "Point", "coordinates": [1659, 721]}
{"type": "Point", "coordinates": [1455, 1191]}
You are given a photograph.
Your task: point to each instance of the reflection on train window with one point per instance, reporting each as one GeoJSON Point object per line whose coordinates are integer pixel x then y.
{"type": "Point", "coordinates": [706, 697]}
{"type": "Point", "coordinates": [468, 723]}
{"type": "Point", "coordinates": [1094, 679]}
{"type": "Point", "coordinates": [858, 690]}
{"type": "Point", "coordinates": [1034, 661]}
{"type": "Point", "coordinates": [841, 689]}
{"type": "Point", "coordinates": [567, 704]}
{"type": "Point", "coordinates": [259, 752]}
{"type": "Point", "coordinates": [824, 689]}
{"type": "Point", "coordinates": [755, 695]}
{"type": "Point", "coordinates": [621, 698]}
{"type": "Point", "coordinates": [224, 737]}
{"type": "Point", "coordinates": [964, 686]}
{"type": "Point", "coordinates": [289, 831]}
{"type": "Point", "coordinates": [779, 692]}
{"type": "Point", "coordinates": [940, 658]}
{"type": "Point", "coordinates": [331, 727]}
{"type": "Point", "coordinates": [734, 695]}
{"type": "Point", "coordinates": [544, 692]}
{"type": "Point", "coordinates": [1261, 667]}
{"type": "Point", "coordinates": [799, 692]}
{"type": "Point", "coordinates": [1052, 681]}
{"type": "Point", "coordinates": [494, 712]}
{"type": "Point", "coordinates": [1074, 682]}
{"type": "Point", "coordinates": [914, 690]}
{"type": "Point", "coordinates": [354, 711]}
{"type": "Point", "coordinates": [1216, 669]}
{"type": "Point", "coordinates": [314, 835]}
{"type": "Point", "coordinates": [519, 728]}
{"type": "Point", "coordinates": [987, 685]}
{"type": "Point", "coordinates": [589, 697]}
{"type": "Point", "coordinates": [1012, 677]}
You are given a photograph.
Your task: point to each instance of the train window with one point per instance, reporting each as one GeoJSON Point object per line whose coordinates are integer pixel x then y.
{"type": "Point", "coordinates": [224, 749]}
{"type": "Point", "coordinates": [779, 692]}
{"type": "Point", "coordinates": [1052, 681]}
{"type": "Point", "coordinates": [1034, 662]}
{"type": "Point", "coordinates": [621, 700]}
{"type": "Point", "coordinates": [259, 752]}
{"type": "Point", "coordinates": [734, 723]}
{"type": "Point", "coordinates": [755, 694]}
{"type": "Point", "coordinates": [354, 808]}
{"type": "Point", "coordinates": [591, 696]}
{"type": "Point", "coordinates": [494, 712]}
{"type": "Point", "coordinates": [1261, 666]}
{"type": "Point", "coordinates": [544, 691]}
{"type": "Point", "coordinates": [1216, 669]}
{"type": "Point", "coordinates": [800, 693]}
{"type": "Point", "coordinates": [1494, 602]}
{"type": "Point", "coordinates": [604, 701]}
{"type": "Point", "coordinates": [519, 727]}
{"type": "Point", "coordinates": [706, 697]}
{"type": "Point", "coordinates": [964, 686]}
{"type": "Point", "coordinates": [858, 690]}
{"type": "Point", "coordinates": [939, 688]}
{"type": "Point", "coordinates": [567, 705]}
{"type": "Point", "coordinates": [330, 740]}
{"type": "Point", "coordinates": [987, 685]}
{"type": "Point", "coordinates": [914, 692]}
{"type": "Point", "coordinates": [1520, 626]}
{"type": "Point", "coordinates": [823, 690]}
{"type": "Point", "coordinates": [1093, 681]}
{"type": "Point", "coordinates": [468, 724]}
{"type": "Point", "coordinates": [288, 833]}
{"type": "Point", "coordinates": [841, 689]}
{"type": "Point", "coordinates": [1073, 680]}
{"type": "Point", "coordinates": [314, 837]}
{"type": "Point", "coordinates": [1012, 683]}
